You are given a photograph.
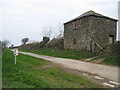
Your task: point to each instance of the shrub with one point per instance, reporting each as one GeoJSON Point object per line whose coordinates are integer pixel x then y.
{"type": "Point", "coordinates": [56, 43]}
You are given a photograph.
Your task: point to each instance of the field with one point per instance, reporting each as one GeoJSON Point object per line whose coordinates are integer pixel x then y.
{"type": "Point", "coordinates": [24, 74]}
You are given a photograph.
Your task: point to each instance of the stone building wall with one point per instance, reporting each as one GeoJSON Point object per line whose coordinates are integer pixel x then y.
{"type": "Point", "coordinates": [103, 29]}
{"type": "Point", "coordinates": [90, 30]}
{"type": "Point", "coordinates": [82, 36]}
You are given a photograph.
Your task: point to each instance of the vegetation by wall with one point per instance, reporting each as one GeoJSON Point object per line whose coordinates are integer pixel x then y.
{"type": "Point", "coordinates": [54, 43]}
{"type": "Point", "coordinates": [114, 55]}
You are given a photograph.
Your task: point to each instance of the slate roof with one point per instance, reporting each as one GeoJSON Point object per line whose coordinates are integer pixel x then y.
{"type": "Point", "coordinates": [90, 13]}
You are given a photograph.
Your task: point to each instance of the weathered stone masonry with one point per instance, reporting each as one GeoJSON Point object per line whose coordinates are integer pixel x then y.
{"type": "Point", "coordinates": [94, 32]}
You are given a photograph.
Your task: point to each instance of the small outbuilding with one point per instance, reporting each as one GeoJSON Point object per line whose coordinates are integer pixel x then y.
{"type": "Point", "coordinates": [90, 31]}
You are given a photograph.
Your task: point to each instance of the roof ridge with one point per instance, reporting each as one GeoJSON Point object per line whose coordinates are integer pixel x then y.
{"type": "Point", "coordinates": [90, 13]}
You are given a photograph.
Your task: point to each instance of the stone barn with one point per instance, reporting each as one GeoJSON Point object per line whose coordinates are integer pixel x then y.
{"type": "Point", "coordinates": [90, 31]}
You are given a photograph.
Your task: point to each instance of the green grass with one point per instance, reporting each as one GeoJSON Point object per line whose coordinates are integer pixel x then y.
{"type": "Point", "coordinates": [112, 59]}
{"type": "Point", "coordinates": [96, 58]}
{"type": "Point", "coordinates": [108, 62]}
{"type": "Point", "coordinates": [71, 54]}
{"type": "Point", "coordinates": [23, 74]}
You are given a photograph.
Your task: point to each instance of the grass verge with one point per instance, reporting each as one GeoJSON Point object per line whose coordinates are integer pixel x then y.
{"type": "Point", "coordinates": [96, 58]}
{"type": "Point", "coordinates": [71, 54]}
{"type": "Point", "coordinates": [112, 59]}
{"type": "Point", "coordinates": [23, 74]}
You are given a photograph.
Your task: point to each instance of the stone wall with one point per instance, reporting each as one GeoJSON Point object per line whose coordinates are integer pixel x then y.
{"type": "Point", "coordinates": [103, 28]}
{"type": "Point", "coordinates": [90, 30]}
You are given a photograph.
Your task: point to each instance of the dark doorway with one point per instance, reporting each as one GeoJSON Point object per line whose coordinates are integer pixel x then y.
{"type": "Point", "coordinates": [111, 39]}
{"type": "Point", "coordinates": [74, 41]}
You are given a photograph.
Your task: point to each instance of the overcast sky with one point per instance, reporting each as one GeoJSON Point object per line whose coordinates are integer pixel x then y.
{"type": "Point", "coordinates": [28, 18]}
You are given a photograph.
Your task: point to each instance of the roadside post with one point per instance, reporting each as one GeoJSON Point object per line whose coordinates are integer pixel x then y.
{"type": "Point", "coordinates": [15, 54]}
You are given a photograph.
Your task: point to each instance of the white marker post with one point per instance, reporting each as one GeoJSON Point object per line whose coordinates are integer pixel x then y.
{"type": "Point", "coordinates": [15, 53]}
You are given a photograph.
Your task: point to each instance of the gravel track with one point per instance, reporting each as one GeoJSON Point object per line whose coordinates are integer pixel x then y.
{"type": "Point", "coordinates": [109, 72]}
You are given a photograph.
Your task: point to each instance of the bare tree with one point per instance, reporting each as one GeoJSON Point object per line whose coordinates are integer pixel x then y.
{"type": "Point", "coordinates": [25, 40]}
{"type": "Point", "coordinates": [52, 32]}
{"type": "Point", "coordinates": [5, 43]}
{"type": "Point", "coordinates": [60, 30]}
{"type": "Point", "coordinates": [47, 31]}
